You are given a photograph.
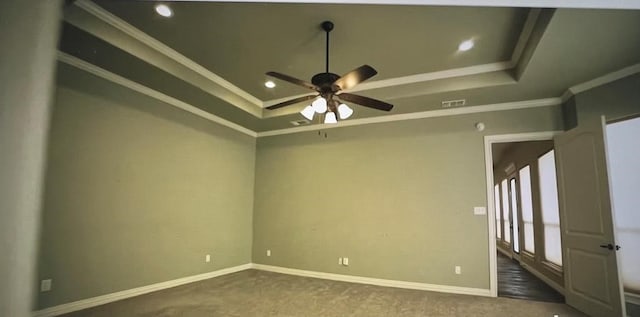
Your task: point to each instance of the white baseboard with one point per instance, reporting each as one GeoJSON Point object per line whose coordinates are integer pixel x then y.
{"type": "Point", "coordinates": [376, 281]}
{"type": "Point", "coordinates": [559, 288]}
{"type": "Point", "coordinates": [108, 298]}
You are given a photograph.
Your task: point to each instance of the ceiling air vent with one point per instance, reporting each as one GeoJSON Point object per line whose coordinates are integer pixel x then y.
{"type": "Point", "coordinates": [300, 122]}
{"type": "Point", "coordinates": [454, 103]}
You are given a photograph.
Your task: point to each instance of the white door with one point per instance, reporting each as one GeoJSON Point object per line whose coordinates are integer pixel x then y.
{"type": "Point", "coordinates": [589, 254]}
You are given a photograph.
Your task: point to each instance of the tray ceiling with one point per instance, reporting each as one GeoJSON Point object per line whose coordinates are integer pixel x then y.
{"type": "Point", "coordinates": [213, 55]}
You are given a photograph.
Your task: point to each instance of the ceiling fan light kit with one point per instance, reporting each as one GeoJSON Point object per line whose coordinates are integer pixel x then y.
{"type": "Point", "coordinates": [319, 105]}
{"type": "Point", "coordinates": [329, 88]}
{"type": "Point", "coordinates": [344, 111]}
{"type": "Point", "coordinates": [330, 117]}
{"type": "Point", "coordinates": [308, 112]}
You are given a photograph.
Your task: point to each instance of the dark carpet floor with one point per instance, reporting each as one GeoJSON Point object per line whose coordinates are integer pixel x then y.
{"type": "Point", "coordinates": [516, 282]}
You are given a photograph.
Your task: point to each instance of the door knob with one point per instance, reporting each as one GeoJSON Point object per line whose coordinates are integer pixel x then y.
{"type": "Point", "coordinates": [610, 246]}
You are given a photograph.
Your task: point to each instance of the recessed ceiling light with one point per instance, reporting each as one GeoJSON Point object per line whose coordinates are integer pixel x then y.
{"type": "Point", "coordinates": [164, 10]}
{"type": "Point", "coordinates": [269, 84]}
{"type": "Point", "coordinates": [466, 45]}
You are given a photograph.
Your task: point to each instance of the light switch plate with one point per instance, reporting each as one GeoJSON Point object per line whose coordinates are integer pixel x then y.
{"type": "Point", "coordinates": [45, 285]}
{"type": "Point", "coordinates": [478, 211]}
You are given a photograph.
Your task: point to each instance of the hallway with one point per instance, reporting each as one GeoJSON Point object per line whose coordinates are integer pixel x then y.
{"type": "Point", "coordinates": [516, 282]}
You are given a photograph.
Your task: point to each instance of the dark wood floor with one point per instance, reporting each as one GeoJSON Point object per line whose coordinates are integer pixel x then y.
{"type": "Point", "coordinates": [516, 282]}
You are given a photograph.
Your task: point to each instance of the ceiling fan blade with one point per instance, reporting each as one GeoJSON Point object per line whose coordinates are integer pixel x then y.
{"type": "Point", "coordinates": [291, 102]}
{"type": "Point", "coordinates": [366, 101]}
{"type": "Point", "coordinates": [354, 77]}
{"type": "Point", "coordinates": [293, 80]}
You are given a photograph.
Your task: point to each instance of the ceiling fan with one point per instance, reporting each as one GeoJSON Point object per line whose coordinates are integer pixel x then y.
{"type": "Point", "coordinates": [329, 87]}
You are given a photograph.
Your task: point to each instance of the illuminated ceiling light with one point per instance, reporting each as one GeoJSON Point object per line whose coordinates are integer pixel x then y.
{"type": "Point", "coordinates": [465, 46]}
{"type": "Point", "coordinates": [164, 10]}
{"type": "Point", "coordinates": [269, 84]}
{"type": "Point", "coordinates": [344, 111]}
{"type": "Point", "coordinates": [320, 105]}
{"type": "Point", "coordinates": [330, 117]}
{"type": "Point", "coordinates": [308, 112]}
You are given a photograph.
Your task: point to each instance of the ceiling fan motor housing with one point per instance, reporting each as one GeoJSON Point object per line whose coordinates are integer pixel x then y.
{"type": "Point", "coordinates": [324, 81]}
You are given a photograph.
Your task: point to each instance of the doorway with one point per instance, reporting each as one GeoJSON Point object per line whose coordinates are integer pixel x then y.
{"type": "Point", "coordinates": [491, 198]}
{"type": "Point", "coordinates": [526, 207]}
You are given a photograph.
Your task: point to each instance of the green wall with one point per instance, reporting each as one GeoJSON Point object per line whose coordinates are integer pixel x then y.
{"type": "Point", "coordinates": [395, 198]}
{"type": "Point", "coordinates": [137, 192]}
{"type": "Point", "coordinates": [614, 100]}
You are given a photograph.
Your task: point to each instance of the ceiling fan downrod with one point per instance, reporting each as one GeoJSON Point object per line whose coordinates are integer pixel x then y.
{"type": "Point", "coordinates": [325, 80]}
{"type": "Point", "coordinates": [327, 26]}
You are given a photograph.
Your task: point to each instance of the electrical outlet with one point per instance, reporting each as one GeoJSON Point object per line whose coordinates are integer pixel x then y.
{"type": "Point", "coordinates": [268, 252]}
{"type": "Point", "coordinates": [458, 270]}
{"type": "Point", "coordinates": [478, 211]}
{"type": "Point", "coordinates": [339, 261]}
{"type": "Point", "coordinates": [345, 261]}
{"type": "Point", "coordinates": [45, 285]}
{"type": "Point", "coordinates": [207, 258]}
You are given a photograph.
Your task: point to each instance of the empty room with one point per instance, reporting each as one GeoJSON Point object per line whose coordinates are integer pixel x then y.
{"type": "Point", "coordinates": [356, 158]}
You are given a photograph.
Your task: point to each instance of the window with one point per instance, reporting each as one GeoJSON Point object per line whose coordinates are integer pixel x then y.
{"type": "Point", "coordinates": [623, 151]}
{"type": "Point", "coordinates": [526, 203]}
{"type": "Point", "coordinates": [549, 204]}
{"type": "Point", "coordinates": [496, 193]}
{"type": "Point", "coordinates": [505, 211]}
{"type": "Point", "coordinates": [514, 216]}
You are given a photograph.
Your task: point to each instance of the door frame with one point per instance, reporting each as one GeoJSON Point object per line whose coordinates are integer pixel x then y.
{"type": "Point", "coordinates": [489, 140]}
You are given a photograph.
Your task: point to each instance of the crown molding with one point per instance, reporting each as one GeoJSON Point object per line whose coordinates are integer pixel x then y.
{"type": "Point", "coordinates": [605, 79]}
{"type": "Point", "coordinates": [601, 81]}
{"type": "Point", "coordinates": [449, 73]}
{"type": "Point", "coordinates": [421, 115]}
{"type": "Point", "coordinates": [117, 79]}
{"type": "Point", "coordinates": [566, 96]}
{"type": "Point", "coordinates": [160, 47]}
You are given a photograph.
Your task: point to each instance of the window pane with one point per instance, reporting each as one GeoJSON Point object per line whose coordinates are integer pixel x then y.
{"type": "Point", "coordinates": [514, 214]}
{"type": "Point", "coordinates": [505, 210]}
{"type": "Point", "coordinates": [525, 194]}
{"type": "Point", "coordinates": [623, 154]}
{"type": "Point", "coordinates": [548, 189]}
{"type": "Point", "coordinates": [496, 193]}
{"type": "Point", "coordinates": [630, 239]}
{"type": "Point", "coordinates": [552, 247]}
{"type": "Point", "coordinates": [526, 203]}
{"type": "Point", "coordinates": [549, 204]}
{"type": "Point", "coordinates": [528, 236]}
